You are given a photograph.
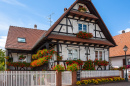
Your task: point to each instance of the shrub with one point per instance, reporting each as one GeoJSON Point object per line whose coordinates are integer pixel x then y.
{"type": "Point", "coordinates": [88, 65]}
{"type": "Point", "coordinates": [58, 68]}
{"type": "Point", "coordinates": [73, 67]}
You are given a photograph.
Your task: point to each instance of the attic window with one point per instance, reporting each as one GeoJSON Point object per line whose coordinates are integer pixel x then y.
{"type": "Point", "coordinates": [22, 40]}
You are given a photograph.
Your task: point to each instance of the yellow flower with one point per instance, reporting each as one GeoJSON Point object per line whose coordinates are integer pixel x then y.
{"type": "Point", "coordinates": [78, 82]}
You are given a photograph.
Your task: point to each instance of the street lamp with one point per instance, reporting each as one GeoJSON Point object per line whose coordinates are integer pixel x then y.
{"type": "Point", "coordinates": [125, 49]}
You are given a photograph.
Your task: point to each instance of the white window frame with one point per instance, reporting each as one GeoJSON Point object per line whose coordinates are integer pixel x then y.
{"type": "Point", "coordinates": [82, 27]}
{"type": "Point", "coordinates": [99, 54]}
{"type": "Point", "coordinates": [22, 59]}
{"type": "Point", "coordinates": [72, 58]}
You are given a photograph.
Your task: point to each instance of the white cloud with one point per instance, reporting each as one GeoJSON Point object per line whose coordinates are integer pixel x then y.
{"type": "Point", "coordinates": [14, 2]}
{"type": "Point", "coordinates": [126, 30]}
{"type": "Point", "coordinates": [2, 42]}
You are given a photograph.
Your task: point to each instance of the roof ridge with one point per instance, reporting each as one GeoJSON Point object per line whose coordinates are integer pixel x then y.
{"type": "Point", "coordinates": [26, 28]}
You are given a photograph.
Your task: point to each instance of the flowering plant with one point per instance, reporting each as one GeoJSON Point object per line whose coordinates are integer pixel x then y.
{"type": "Point", "coordinates": [7, 57]}
{"type": "Point", "coordinates": [100, 62]}
{"type": "Point", "coordinates": [59, 58]}
{"type": "Point", "coordinates": [42, 53]}
{"type": "Point", "coordinates": [79, 62]}
{"type": "Point", "coordinates": [21, 57]}
{"type": "Point", "coordinates": [82, 8]}
{"type": "Point", "coordinates": [58, 68]}
{"type": "Point", "coordinates": [88, 65]}
{"type": "Point", "coordinates": [18, 64]}
{"type": "Point", "coordinates": [84, 35]}
{"type": "Point", "coordinates": [73, 67]}
{"type": "Point", "coordinates": [121, 68]}
{"type": "Point", "coordinates": [39, 62]}
{"type": "Point", "coordinates": [128, 66]}
{"type": "Point", "coordinates": [42, 57]}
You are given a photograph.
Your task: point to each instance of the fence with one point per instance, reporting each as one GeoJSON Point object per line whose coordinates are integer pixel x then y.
{"type": "Point", "coordinates": [90, 74]}
{"type": "Point", "coordinates": [28, 78]}
{"type": "Point", "coordinates": [66, 78]}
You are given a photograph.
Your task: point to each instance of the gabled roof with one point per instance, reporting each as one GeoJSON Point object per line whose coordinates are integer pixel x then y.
{"type": "Point", "coordinates": [31, 36]}
{"type": "Point", "coordinates": [94, 13]}
{"type": "Point", "coordinates": [121, 40]}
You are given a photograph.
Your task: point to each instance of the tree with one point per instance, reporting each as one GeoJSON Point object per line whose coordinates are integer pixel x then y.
{"type": "Point", "coordinates": [2, 60]}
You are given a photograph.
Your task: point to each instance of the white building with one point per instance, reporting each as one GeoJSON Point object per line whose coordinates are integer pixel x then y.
{"type": "Point", "coordinates": [62, 36]}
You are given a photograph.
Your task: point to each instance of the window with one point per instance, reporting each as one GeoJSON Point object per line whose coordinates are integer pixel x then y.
{"type": "Point", "coordinates": [72, 54]}
{"type": "Point", "coordinates": [82, 27]}
{"type": "Point", "coordinates": [23, 60]}
{"type": "Point", "coordinates": [23, 40]}
{"type": "Point", "coordinates": [98, 55]}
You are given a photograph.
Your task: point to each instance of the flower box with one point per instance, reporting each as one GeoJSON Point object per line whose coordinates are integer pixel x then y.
{"type": "Point", "coordinates": [84, 35]}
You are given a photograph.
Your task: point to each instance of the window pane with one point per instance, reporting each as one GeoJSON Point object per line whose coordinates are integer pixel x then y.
{"type": "Point", "coordinates": [80, 27]}
{"type": "Point", "coordinates": [96, 54]}
{"type": "Point", "coordinates": [85, 28]}
{"type": "Point", "coordinates": [69, 54]}
{"type": "Point", "coordinates": [75, 54]}
{"type": "Point", "coordinates": [100, 55]}
{"type": "Point", "coordinates": [21, 40]}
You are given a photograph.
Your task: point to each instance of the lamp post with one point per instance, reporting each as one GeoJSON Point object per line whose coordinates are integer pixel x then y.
{"type": "Point", "coordinates": [125, 49]}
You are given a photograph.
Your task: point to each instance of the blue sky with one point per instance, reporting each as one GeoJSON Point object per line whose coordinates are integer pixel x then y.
{"type": "Point", "coordinates": [26, 13]}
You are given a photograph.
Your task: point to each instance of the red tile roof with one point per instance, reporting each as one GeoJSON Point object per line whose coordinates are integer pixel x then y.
{"type": "Point", "coordinates": [31, 35]}
{"type": "Point", "coordinates": [121, 40]}
{"type": "Point", "coordinates": [75, 39]}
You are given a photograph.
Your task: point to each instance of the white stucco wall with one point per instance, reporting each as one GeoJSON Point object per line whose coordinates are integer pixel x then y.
{"type": "Point", "coordinates": [82, 52]}
{"type": "Point", "coordinates": [16, 57]}
{"type": "Point", "coordinates": [118, 61]}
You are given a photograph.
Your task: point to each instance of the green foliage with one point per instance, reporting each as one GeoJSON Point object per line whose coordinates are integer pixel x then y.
{"type": "Point", "coordinates": [73, 67]}
{"type": "Point", "coordinates": [58, 68]}
{"type": "Point", "coordinates": [89, 65]}
{"type": "Point", "coordinates": [2, 60]}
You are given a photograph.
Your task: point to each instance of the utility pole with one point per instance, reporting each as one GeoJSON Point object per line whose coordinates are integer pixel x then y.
{"type": "Point", "coordinates": [50, 20]}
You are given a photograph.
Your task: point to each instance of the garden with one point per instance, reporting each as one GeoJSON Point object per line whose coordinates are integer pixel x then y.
{"type": "Point", "coordinates": [99, 81]}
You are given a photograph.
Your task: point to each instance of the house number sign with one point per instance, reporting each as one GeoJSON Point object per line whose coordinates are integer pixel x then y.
{"type": "Point", "coordinates": [78, 75]}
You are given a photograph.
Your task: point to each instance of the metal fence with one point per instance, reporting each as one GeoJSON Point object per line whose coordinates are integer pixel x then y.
{"type": "Point", "coordinates": [27, 78]}
{"type": "Point", "coordinates": [89, 74]}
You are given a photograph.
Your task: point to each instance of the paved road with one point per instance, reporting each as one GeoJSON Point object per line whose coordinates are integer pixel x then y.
{"type": "Point", "coordinates": [115, 84]}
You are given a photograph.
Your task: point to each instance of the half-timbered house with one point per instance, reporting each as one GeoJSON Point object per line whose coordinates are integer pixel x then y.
{"type": "Point", "coordinates": [61, 36]}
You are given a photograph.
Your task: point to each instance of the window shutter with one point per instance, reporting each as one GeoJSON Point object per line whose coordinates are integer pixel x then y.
{"type": "Point", "coordinates": [124, 62]}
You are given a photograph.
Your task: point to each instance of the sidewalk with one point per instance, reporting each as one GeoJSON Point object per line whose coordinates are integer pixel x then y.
{"type": "Point", "coordinates": [115, 84]}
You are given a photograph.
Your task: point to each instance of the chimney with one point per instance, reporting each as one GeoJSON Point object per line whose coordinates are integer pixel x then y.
{"type": "Point", "coordinates": [65, 9]}
{"type": "Point", "coordinates": [35, 26]}
{"type": "Point", "coordinates": [123, 31]}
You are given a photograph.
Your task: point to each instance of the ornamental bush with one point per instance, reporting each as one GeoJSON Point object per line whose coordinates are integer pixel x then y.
{"type": "Point", "coordinates": [43, 56]}
{"type": "Point", "coordinates": [73, 67]}
{"type": "Point", "coordinates": [89, 65]}
{"type": "Point", "coordinates": [58, 68]}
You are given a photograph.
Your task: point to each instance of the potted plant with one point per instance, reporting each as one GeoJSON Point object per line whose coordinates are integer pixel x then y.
{"type": "Point", "coordinates": [84, 35]}
{"type": "Point", "coordinates": [58, 68]}
{"type": "Point", "coordinates": [82, 9]}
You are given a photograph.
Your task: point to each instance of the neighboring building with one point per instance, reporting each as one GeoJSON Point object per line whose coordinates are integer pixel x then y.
{"type": "Point", "coordinates": [117, 54]}
{"type": "Point", "coordinates": [62, 36]}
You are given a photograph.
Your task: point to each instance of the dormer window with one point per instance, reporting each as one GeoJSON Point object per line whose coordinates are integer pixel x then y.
{"type": "Point", "coordinates": [21, 40]}
{"type": "Point", "coordinates": [82, 27]}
